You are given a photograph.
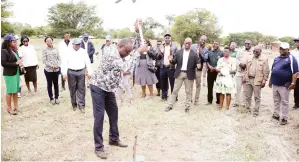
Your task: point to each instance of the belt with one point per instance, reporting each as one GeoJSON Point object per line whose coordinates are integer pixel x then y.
{"type": "Point", "coordinates": [166, 66]}
{"type": "Point", "coordinates": [185, 71]}
{"type": "Point", "coordinates": [76, 70]}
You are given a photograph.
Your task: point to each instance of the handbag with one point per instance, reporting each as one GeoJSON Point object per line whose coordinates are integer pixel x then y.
{"type": "Point", "coordinates": [152, 68]}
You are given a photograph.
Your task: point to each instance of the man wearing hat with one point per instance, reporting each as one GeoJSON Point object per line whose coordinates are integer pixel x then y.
{"type": "Point", "coordinates": [283, 79]}
{"type": "Point", "coordinates": [295, 53]}
{"type": "Point", "coordinates": [73, 70]}
{"type": "Point", "coordinates": [107, 44]}
{"type": "Point", "coordinates": [167, 69]}
{"type": "Point", "coordinates": [88, 46]}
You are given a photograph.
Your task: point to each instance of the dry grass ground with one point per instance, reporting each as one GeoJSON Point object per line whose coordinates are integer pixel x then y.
{"type": "Point", "coordinates": [45, 132]}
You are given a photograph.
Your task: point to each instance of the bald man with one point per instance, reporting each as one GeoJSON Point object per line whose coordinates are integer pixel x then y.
{"type": "Point", "coordinates": [187, 62]}
{"type": "Point", "coordinates": [256, 76]}
{"type": "Point", "coordinates": [242, 57]}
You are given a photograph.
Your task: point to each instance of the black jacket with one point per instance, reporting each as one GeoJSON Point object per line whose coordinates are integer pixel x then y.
{"type": "Point", "coordinates": [8, 61]}
{"type": "Point", "coordinates": [193, 60]}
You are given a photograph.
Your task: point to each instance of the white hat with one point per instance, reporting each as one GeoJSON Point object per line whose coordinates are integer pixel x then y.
{"type": "Point", "coordinates": [108, 37]}
{"type": "Point", "coordinates": [284, 45]}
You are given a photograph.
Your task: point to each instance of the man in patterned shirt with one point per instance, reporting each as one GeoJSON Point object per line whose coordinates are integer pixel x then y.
{"type": "Point", "coordinates": [104, 82]}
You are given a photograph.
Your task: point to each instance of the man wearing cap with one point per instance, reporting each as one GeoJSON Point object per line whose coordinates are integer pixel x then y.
{"type": "Point", "coordinates": [73, 70]}
{"type": "Point", "coordinates": [295, 53]}
{"type": "Point", "coordinates": [202, 52]}
{"type": "Point", "coordinates": [167, 69]}
{"type": "Point", "coordinates": [282, 80]}
{"type": "Point", "coordinates": [242, 58]}
{"type": "Point", "coordinates": [64, 48]}
{"type": "Point", "coordinates": [107, 43]}
{"type": "Point", "coordinates": [88, 46]}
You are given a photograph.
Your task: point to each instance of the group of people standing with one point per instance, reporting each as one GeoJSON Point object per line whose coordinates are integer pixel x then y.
{"type": "Point", "coordinates": [70, 60]}
{"type": "Point", "coordinates": [243, 73]}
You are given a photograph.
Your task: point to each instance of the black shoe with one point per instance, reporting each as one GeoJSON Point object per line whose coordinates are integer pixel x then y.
{"type": "Point", "coordinates": [119, 144]}
{"type": "Point", "coordinates": [296, 106]}
{"type": "Point", "coordinates": [283, 122]}
{"type": "Point", "coordinates": [164, 98]}
{"type": "Point", "coordinates": [101, 154]}
{"type": "Point", "coordinates": [187, 110]}
{"type": "Point", "coordinates": [74, 107]}
{"type": "Point", "coordinates": [178, 100]}
{"type": "Point", "coordinates": [168, 109]}
{"type": "Point", "coordinates": [275, 117]}
{"type": "Point", "coordinates": [82, 109]}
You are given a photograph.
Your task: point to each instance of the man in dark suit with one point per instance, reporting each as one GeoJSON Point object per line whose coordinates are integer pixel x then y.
{"type": "Point", "coordinates": [187, 61]}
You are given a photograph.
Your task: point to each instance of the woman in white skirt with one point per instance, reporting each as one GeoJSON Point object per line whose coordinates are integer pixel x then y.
{"type": "Point", "coordinates": [225, 85]}
{"type": "Point", "coordinates": [125, 83]}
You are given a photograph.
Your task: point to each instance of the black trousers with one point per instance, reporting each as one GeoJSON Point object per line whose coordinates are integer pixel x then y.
{"type": "Point", "coordinates": [52, 79]}
{"type": "Point", "coordinates": [158, 85]}
{"type": "Point", "coordinates": [101, 101]}
{"type": "Point", "coordinates": [62, 82]}
{"type": "Point", "coordinates": [296, 93]}
{"type": "Point", "coordinates": [212, 76]}
{"type": "Point", "coordinates": [166, 74]}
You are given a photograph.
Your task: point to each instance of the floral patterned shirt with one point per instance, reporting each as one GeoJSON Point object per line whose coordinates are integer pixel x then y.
{"type": "Point", "coordinates": [108, 76]}
{"type": "Point", "coordinates": [51, 58]}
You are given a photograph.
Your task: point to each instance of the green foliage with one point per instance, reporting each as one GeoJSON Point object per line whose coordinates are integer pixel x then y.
{"type": "Point", "coordinates": [240, 38]}
{"type": "Point", "coordinates": [290, 40]}
{"type": "Point", "coordinates": [195, 23]}
{"type": "Point", "coordinates": [149, 34]}
{"type": "Point", "coordinates": [28, 32]}
{"type": "Point", "coordinates": [121, 33]}
{"type": "Point", "coordinates": [6, 27]}
{"type": "Point", "coordinates": [76, 18]}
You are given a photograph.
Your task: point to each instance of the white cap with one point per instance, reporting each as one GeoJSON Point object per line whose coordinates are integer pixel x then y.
{"type": "Point", "coordinates": [284, 45]}
{"type": "Point", "coordinates": [108, 37]}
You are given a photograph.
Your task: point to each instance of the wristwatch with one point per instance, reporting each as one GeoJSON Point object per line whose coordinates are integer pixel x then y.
{"type": "Point", "coordinates": [293, 84]}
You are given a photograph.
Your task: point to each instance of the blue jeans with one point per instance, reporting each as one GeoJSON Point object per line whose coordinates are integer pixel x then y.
{"type": "Point", "coordinates": [101, 101]}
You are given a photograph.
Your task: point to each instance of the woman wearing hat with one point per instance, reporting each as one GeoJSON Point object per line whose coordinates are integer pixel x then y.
{"type": "Point", "coordinates": [12, 65]}
{"type": "Point", "coordinates": [28, 54]}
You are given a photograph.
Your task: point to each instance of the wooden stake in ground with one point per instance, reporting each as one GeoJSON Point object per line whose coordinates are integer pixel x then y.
{"type": "Point", "coordinates": [134, 149]}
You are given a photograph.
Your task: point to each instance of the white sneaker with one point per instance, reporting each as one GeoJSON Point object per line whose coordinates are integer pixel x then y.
{"type": "Point", "coordinates": [19, 95]}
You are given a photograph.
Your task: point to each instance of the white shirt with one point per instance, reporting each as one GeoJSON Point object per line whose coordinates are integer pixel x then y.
{"type": "Point", "coordinates": [28, 54]}
{"type": "Point", "coordinates": [295, 53]}
{"type": "Point", "coordinates": [76, 60]}
{"type": "Point", "coordinates": [166, 54]}
{"type": "Point", "coordinates": [64, 49]}
{"type": "Point", "coordinates": [185, 59]}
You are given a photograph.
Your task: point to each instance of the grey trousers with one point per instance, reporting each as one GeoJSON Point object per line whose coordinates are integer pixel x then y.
{"type": "Point", "coordinates": [281, 96]}
{"type": "Point", "coordinates": [182, 78]}
{"type": "Point", "coordinates": [249, 89]}
{"type": "Point", "coordinates": [240, 95]}
{"type": "Point", "coordinates": [76, 82]}
{"type": "Point", "coordinates": [198, 86]}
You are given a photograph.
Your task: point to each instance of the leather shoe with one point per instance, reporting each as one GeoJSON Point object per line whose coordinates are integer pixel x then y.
{"type": "Point", "coordinates": [168, 109]}
{"type": "Point", "coordinates": [118, 143]}
{"type": "Point", "coordinates": [101, 154]}
{"type": "Point", "coordinates": [187, 110]}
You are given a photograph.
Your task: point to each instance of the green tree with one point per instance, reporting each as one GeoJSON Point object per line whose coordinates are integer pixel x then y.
{"type": "Point", "coordinates": [126, 32]}
{"type": "Point", "coordinates": [240, 38]}
{"type": "Point", "coordinates": [76, 18]}
{"type": "Point", "coordinates": [149, 34]}
{"type": "Point", "coordinates": [28, 32]}
{"type": "Point", "coordinates": [289, 40]}
{"type": "Point", "coordinates": [6, 27]}
{"type": "Point", "coordinates": [195, 23]}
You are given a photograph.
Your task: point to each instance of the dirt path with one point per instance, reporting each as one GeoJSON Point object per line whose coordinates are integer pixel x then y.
{"type": "Point", "coordinates": [45, 132]}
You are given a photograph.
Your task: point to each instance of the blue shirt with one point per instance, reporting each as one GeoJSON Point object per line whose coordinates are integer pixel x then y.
{"type": "Point", "coordinates": [281, 70]}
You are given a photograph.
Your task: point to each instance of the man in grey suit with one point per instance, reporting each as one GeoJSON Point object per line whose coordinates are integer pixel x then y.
{"type": "Point", "coordinates": [187, 61]}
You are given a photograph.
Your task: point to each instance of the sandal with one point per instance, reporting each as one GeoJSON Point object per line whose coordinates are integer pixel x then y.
{"type": "Point", "coordinates": [11, 112]}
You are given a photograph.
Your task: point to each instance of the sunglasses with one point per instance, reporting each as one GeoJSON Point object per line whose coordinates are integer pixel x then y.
{"type": "Point", "coordinates": [247, 43]}
{"type": "Point", "coordinates": [255, 51]}
{"type": "Point", "coordinates": [25, 41]}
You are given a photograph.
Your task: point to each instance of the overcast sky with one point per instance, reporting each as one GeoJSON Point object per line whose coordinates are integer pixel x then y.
{"type": "Point", "coordinates": [233, 15]}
